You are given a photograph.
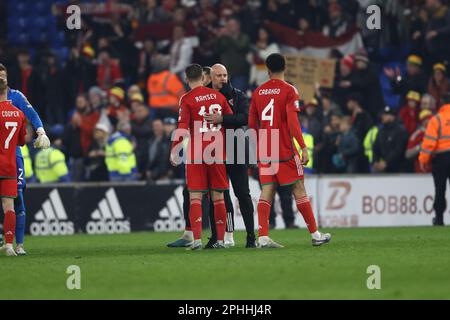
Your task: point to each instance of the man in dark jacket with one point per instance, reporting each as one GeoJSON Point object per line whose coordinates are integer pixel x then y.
{"type": "Point", "coordinates": [365, 81]}
{"type": "Point", "coordinates": [390, 144]}
{"type": "Point", "coordinates": [414, 80]}
{"type": "Point", "coordinates": [438, 31]}
{"type": "Point", "coordinates": [236, 171]}
{"type": "Point", "coordinates": [141, 129]}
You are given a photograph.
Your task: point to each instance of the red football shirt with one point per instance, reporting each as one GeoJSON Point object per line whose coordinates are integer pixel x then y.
{"type": "Point", "coordinates": [12, 134]}
{"type": "Point", "coordinates": [194, 105]}
{"type": "Point", "coordinates": [272, 102]}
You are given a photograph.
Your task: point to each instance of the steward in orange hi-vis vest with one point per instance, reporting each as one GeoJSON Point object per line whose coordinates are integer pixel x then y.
{"type": "Point", "coordinates": [435, 150]}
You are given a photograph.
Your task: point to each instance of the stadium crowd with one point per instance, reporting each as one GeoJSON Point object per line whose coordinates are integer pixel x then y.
{"type": "Point", "coordinates": [112, 103]}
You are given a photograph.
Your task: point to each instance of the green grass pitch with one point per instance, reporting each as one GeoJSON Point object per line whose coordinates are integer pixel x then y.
{"type": "Point", "coordinates": [414, 264]}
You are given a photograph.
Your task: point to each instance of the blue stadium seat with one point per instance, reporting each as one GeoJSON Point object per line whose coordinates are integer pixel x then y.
{"type": "Point", "coordinates": [58, 38]}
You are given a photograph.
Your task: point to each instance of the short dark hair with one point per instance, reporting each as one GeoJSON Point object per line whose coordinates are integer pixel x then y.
{"type": "Point", "coordinates": [3, 68]}
{"type": "Point", "coordinates": [355, 96]}
{"type": "Point", "coordinates": [194, 72]}
{"type": "Point", "coordinates": [207, 70]}
{"type": "Point", "coordinates": [276, 63]}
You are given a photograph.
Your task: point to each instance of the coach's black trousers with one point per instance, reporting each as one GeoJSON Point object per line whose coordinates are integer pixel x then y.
{"type": "Point", "coordinates": [238, 175]}
{"type": "Point", "coordinates": [441, 174]}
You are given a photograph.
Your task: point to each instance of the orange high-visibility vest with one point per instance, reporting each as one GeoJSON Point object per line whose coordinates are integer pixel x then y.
{"type": "Point", "coordinates": [164, 90]}
{"type": "Point", "coordinates": [437, 135]}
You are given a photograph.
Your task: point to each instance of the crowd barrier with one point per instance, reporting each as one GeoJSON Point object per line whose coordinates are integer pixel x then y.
{"type": "Point", "coordinates": [338, 201]}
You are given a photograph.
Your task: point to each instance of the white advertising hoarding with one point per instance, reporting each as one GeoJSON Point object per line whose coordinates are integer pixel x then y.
{"type": "Point", "coordinates": [372, 201]}
{"type": "Point", "coordinates": [360, 201]}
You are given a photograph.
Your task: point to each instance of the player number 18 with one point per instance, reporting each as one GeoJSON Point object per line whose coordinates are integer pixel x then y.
{"type": "Point", "coordinates": [8, 125]}
{"type": "Point", "coordinates": [214, 108]}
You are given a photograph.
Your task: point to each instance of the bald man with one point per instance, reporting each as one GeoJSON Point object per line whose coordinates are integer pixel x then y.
{"type": "Point", "coordinates": [237, 172]}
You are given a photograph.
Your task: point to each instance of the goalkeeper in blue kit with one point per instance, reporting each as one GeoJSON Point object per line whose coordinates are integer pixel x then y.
{"type": "Point", "coordinates": [20, 101]}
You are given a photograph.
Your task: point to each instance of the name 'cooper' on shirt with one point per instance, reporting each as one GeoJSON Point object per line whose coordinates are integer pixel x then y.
{"type": "Point", "coordinates": [10, 113]}
{"type": "Point", "coordinates": [207, 97]}
{"type": "Point", "coordinates": [264, 92]}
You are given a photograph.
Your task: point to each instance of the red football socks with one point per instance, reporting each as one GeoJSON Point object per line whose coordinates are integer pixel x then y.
{"type": "Point", "coordinates": [304, 206]}
{"type": "Point", "coordinates": [263, 217]}
{"type": "Point", "coordinates": [220, 214]}
{"type": "Point", "coordinates": [9, 226]}
{"type": "Point", "coordinates": [195, 217]}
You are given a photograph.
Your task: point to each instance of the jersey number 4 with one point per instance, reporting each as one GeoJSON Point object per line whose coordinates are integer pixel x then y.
{"type": "Point", "coordinates": [9, 125]}
{"type": "Point", "coordinates": [267, 113]}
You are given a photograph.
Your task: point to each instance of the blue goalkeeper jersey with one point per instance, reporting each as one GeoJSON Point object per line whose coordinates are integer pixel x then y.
{"type": "Point", "coordinates": [20, 101]}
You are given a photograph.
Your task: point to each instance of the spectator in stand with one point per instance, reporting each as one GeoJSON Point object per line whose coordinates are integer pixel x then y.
{"type": "Point", "coordinates": [415, 79]}
{"type": "Point", "coordinates": [257, 57]}
{"type": "Point", "coordinates": [438, 84]}
{"type": "Point", "coordinates": [337, 24]}
{"type": "Point", "coordinates": [170, 124]}
{"type": "Point", "coordinates": [84, 121]}
{"type": "Point", "coordinates": [438, 31]}
{"type": "Point", "coordinates": [365, 80]}
{"type": "Point", "coordinates": [117, 111]}
{"type": "Point", "coordinates": [135, 101]}
{"type": "Point", "coordinates": [361, 120]}
{"type": "Point", "coordinates": [79, 72]}
{"type": "Point", "coordinates": [180, 51]}
{"type": "Point", "coordinates": [149, 12]}
{"type": "Point", "coordinates": [281, 11]}
{"type": "Point", "coordinates": [390, 144]}
{"type": "Point", "coordinates": [164, 90]}
{"type": "Point", "coordinates": [349, 152]}
{"type": "Point", "coordinates": [232, 45]}
{"type": "Point", "coordinates": [418, 30]}
{"type": "Point", "coordinates": [326, 105]}
{"type": "Point", "coordinates": [313, 118]}
{"type": "Point", "coordinates": [409, 113]}
{"type": "Point", "coordinates": [415, 142]}
{"type": "Point", "coordinates": [428, 103]}
{"type": "Point", "coordinates": [141, 129]}
{"type": "Point", "coordinates": [97, 98]}
{"type": "Point", "coordinates": [50, 164]}
{"type": "Point", "coordinates": [331, 133]}
{"type": "Point", "coordinates": [343, 84]}
{"type": "Point", "coordinates": [157, 164]}
{"type": "Point", "coordinates": [95, 160]}
{"type": "Point", "coordinates": [26, 78]}
{"type": "Point", "coordinates": [145, 57]}
{"type": "Point", "coordinates": [120, 158]}
{"type": "Point", "coordinates": [52, 82]}
{"type": "Point", "coordinates": [108, 70]}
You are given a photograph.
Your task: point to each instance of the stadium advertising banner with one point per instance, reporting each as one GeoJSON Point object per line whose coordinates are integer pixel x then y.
{"type": "Point", "coordinates": [108, 209]}
{"type": "Point", "coordinates": [369, 201]}
{"type": "Point", "coordinates": [355, 201]}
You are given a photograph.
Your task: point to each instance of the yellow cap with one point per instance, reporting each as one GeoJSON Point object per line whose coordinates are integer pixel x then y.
{"type": "Point", "coordinates": [117, 92]}
{"type": "Point", "coordinates": [88, 51]}
{"type": "Point", "coordinates": [425, 114]}
{"type": "Point", "coordinates": [413, 95]}
{"type": "Point", "coordinates": [415, 60]}
{"type": "Point", "coordinates": [312, 102]}
{"type": "Point", "coordinates": [439, 66]}
{"type": "Point", "coordinates": [137, 97]}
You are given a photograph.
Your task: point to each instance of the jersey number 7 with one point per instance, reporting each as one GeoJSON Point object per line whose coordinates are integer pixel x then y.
{"type": "Point", "coordinates": [8, 125]}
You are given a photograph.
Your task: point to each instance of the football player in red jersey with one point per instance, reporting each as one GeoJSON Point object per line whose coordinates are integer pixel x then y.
{"type": "Point", "coordinates": [12, 134]}
{"type": "Point", "coordinates": [274, 109]}
{"type": "Point", "coordinates": [203, 173]}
